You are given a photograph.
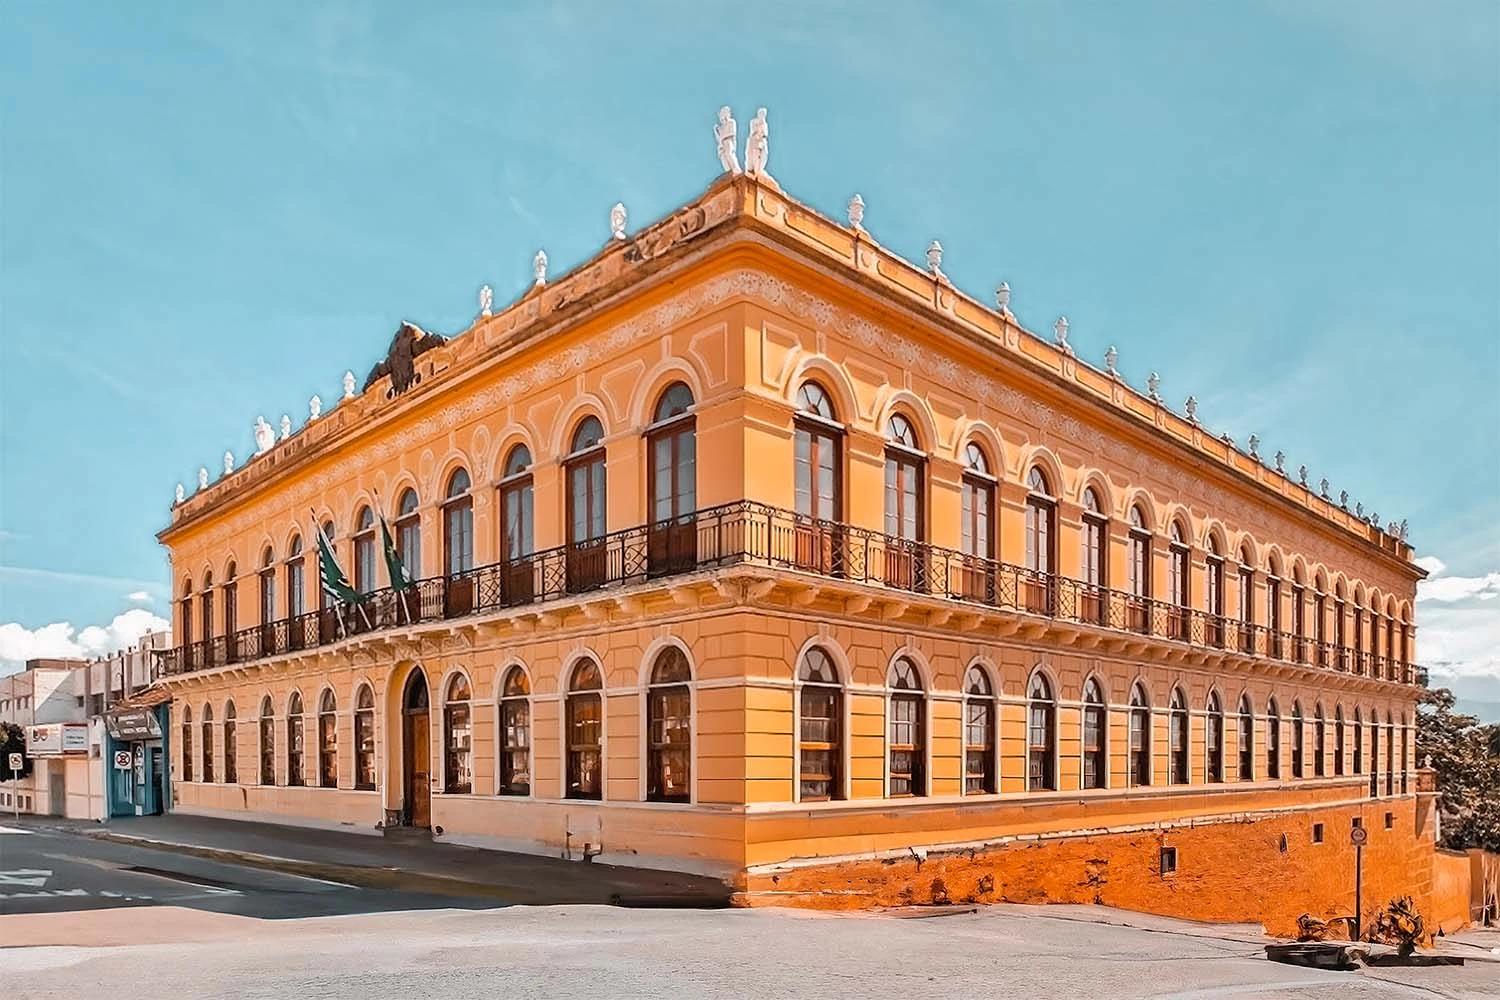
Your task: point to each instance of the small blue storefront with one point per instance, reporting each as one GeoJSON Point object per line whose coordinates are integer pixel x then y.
{"type": "Point", "coordinates": [137, 755]}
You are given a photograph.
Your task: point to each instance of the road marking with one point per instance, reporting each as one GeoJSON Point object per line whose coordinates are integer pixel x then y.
{"type": "Point", "coordinates": [33, 877]}
{"type": "Point", "coordinates": [11, 829]}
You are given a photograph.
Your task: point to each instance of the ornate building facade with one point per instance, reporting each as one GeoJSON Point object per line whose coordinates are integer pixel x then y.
{"type": "Point", "coordinates": [749, 548]}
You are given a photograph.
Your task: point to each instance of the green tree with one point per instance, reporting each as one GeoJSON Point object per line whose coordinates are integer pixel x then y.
{"type": "Point", "coordinates": [13, 740]}
{"type": "Point", "coordinates": [1466, 756]}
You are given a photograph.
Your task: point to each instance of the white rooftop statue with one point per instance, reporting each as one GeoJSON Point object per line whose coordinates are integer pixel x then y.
{"type": "Point", "coordinates": [539, 267]}
{"type": "Point", "coordinates": [1323, 487]}
{"type": "Point", "coordinates": [727, 139]}
{"type": "Point", "coordinates": [314, 408]}
{"type": "Point", "coordinates": [203, 477]}
{"type": "Point", "coordinates": [617, 221]}
{"type": "Point", "coordinates": [758, 145]}
{"type": "Point", "coordinates": [1344, 499]}
{"type": "Point", "coordinates": [857, 211]}
{"type": "Point", "coordinates": [348, 385]}
{"type": "Point", "coordinates": [228, 462]}
{"type": "Point", "coordinates": [1255, 447]}
{"type": "Point", "coordinates": [1002, 297]}
{"type": "Point", "coordinates": [286, 427]}
{"type": "Point", "coordinates": [1112, 358]}
{"type": "Point", "coordinates": [1153, 387]}
{"type": "Point", "coordinates": [935, 257]}
{"type": "Point", "coordinates": [486, 301]}
{"type": "Point", "coordinates": [1401, 530]}
{"type": "Point", "coordinates": [265, 437]}
{"type": "Point", "coordinates": [1060, 331]}
{"type": "Point", "coordinates": [181, 493]}
{"type": "Point", "coordinates": [1192, 408]}
{"type": "Point", "coordinates": [1281, 462]}
{"type": "Point", "coordinates": [1302, 475]}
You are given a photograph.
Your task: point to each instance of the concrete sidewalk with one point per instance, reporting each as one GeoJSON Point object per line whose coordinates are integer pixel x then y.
{"type": "Point", "coordinates": [375, 862]}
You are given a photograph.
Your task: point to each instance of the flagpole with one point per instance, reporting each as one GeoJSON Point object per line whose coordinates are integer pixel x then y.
{"type": "Point", "coordinates": [399, 592]}
{"type": "Point", "coordinates": [326, 546]}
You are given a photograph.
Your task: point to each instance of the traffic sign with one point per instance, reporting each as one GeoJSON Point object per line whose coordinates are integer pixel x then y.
{"type": "Point", "coordinates": [1358, 835]}
{"type": "Point", "coordinates": [123, 760]}
{"type": "Point", "coordinates": [15, 761]}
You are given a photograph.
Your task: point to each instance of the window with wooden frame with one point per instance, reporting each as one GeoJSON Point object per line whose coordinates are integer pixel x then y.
{"type": "Point", "coordinates": [295, 745]}
{"type": "Point", "coordinates": [669, 746]}
{"type": "Point", "coordinates": [231, 612]}
{"type": "Point", "coordinates": [586, 503]}
{"type": "Point", "coordinates": [267, 592]}
{"type": "Point", "coordinates": [1139, 545]}
{"type": "Point", "coordinates": [364, 738]}
{"type": "Point", "coordinates": [1140, 737]}
{"type": "Point", "coordinates": [584, 723]}
{"type": "Point", "coordinates": [1320, 742]}
{"type": "Point", "coordinates": [1299, 621]}
{"type": "Point", "coordinates": [1299, 756]}
{"type": "Point", "coordinates": [517, 527]}
{"type": "Point", "coordinates": [296, 592]}
{"type": "Point", "coordinates": [1338, 741]}
{"type": "Point", "coordinates": [820, 726]}
{"type": "Point", "coordinates": [672, 482]}
{"type": "Point", "coordinates": [515, 733]}
{"type": "Point", "coordinates": [458, 543]}
{"type": "Point", "coordinates": [231, 746]}
{"type": "Point", "coordinates": [328, 740]}
{"type": "Point", "coordinates": [1213, 738]}
{"type": "Point", "coordinates": [1320, 627]}
{"type": "Point", "coordinates": [185, 614]}
{"type": "Point", "coordinates": [979, 733]}
{"type": "Point", "coordinates": [267, 742]}
{"type": "Point", "coordinates": [1374, 755]}
{"type": "Point", "coordinates": [208, 743]}
{"type": "Point", "coordinates": [1041, 735]}
{"type": "Point", "coordinates": [1179, 742]}
{"type": "Point", "coordinates": [1273, 614]}
{"type": "Point", "coordinates": [1405, 751]}
{"type": "Point", "coordinates": [364, 551]}
{"type": "Point", "coordinates": [1095, 724]}
{"type": "Point", "coordinates": [907, 747]}
{"type": "Point", "coordinates": [1340, 619]}
{"type": "Point", "coordinates": [1041, 534]}
{"type": "Point", "coordinates": [1094, 554]}
{"type": "Point", "coordinates": [187, 743]}
{"type": "Point", "coordinates": [409, 534]}
{"type": "Point", "coordinates": [1245, 732]}
{"type": "Point", "coordinates": [458, 737]}
{"type": "Point", "coordinates": [978, 523]}
{"type": "Point", "coordinates": [818, 486]}
{"type": "Point", "coordinates": [1390, 755]}
{"type": "Point", "coordinates": [1214, 593]}
{"type": "Point", "coordinates": [1273, 740]}
{"type": "Point", "coordinates": [1179, 570]}
{"type": "Point", "coordinates": [1246, 602]}
{"type": "Point", "coordinates": [905, 506]}
{"type": "Point", "coordinates": [1359, 742]}
{"type": "Point", "coordinates": [206, 606]}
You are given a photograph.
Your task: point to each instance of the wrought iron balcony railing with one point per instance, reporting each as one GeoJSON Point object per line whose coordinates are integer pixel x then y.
{"type": "Point", "coordinates": [752, 533]}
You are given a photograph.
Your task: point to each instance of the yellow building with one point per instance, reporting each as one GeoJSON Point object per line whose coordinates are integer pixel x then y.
{"type": "Point", "coordinates": [749, 548]}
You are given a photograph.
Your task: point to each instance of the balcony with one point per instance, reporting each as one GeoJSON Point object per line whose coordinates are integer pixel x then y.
{"type": "Point", "coordinates": [753, 534]}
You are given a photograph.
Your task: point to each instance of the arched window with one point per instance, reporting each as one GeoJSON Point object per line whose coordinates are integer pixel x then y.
{"type": "Point", "coordinates": [1320, 742]}
{"type": "Point", "coordinates": [231, 747]}
{"type": "Point", "coordinates": [818, 482]}
{"type": "Point", "coordinates": [1405, 751]}
{"type": "Point", "coordinates": [1338, 741]}
{"type": "Point", "coordinates": [1357, 613]}
{"type": "Point", "coordinates": [1177, 720]}
{"type": "Point", "coordinates": [208, 743]}
{"type": "Point", "coordinates": [296, 590]}
{"type": "Point", "coordinates": [1320, 622]}
{"type": "Point", "coordinates": [187, 743]}
{"type": "Point", "coordinates": [1299, 616]}
{"type": "Point", "coordinates": [515, 733]}
{"type": "Point", "coordinates": [669, 729]}
{"type": "Point", "coordinates": [328, 740]}
{"type": "Point", "coordinates": [231, 612]}
{"type": "Point", "coordinates": [672, 442]}
{"type": "Point", "coordinates": [1340, 619]}
{"type": "Point", "coordinates": [364, 738]}
{"type": "Point", "coordinates": [1246, 602]}
{"type": "Point", "coordinates": [979, 733]}
{"type": "Point", "coordinates": [1374, 755]}
{"type": "Point", "coordinates": [185, 615]}
{"type": "Point", "coordinates": [904, 468]}
{"type": "Point", "coordinates": [267, 598]}
{"type": "Point", "coordinates": [517, 525]}
{"type": "Point", "coordinates": [1214, 582]}
{"type": "Point", "coordinates": [364, 551]}
{"type": "Point", "coordinates": [1041, 735]}
{"type": "Point", "coordinates": [587, 493]}
{"type": "Point", "coordinates": [295, 736]}
{"type": "Point", "coordinates": [820, 752]}
{"type": "Point", "coordinates": [1041, 518]}
{"type": "Point", "coordinates": [1359, 742]}
{"type": "Point", "coordinates": [458, 738]}
{"type": "Point", "coordinates": [1093, 557]}
{"type": "Point", "coordinates": [458, 543]}
{"type": "Point", "coordinates": [1180, 580]}
{"type": "Point", "coordinates": [1139, 570]}
{"type": "Point", "coordinates": [978, 504]}
{"type": "Point", "coordinates": [1095, 760]}
{"type": "Point", "coordinates": [206, 607]}
{"type": "Point", "coordinates": [1213, 738]}
{"type": "Point", "coordinates": [1299, 756]}
{"type": "Point", "coordinates": [1390, 755]}
{"type": "Point", "coordinates": [1140, 736]}
{"type": "Point", "coordinates": [585, 731]}
{"type": "Point", "coordinates": [1246, 735]}
{"type": "Point", "coordinates": [1273, 740]}
{"type": "Point", "coordinates": [907, 747]}
{"type": "Point", "coordinates": [409, 534]}
{"type": "Point", "coordinates": [328, 621]}
{"type": "Point", "coordinates": [267, 742]}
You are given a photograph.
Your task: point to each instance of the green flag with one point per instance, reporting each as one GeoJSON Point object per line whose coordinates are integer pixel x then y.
{"type": "Point", "coordinates": [335, 583]}
{"type": "Point", "coordinates": [394, 567]}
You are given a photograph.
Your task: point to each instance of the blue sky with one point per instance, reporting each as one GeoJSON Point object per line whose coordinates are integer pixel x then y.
{"type": "Point", "coordinates": [210, 212]}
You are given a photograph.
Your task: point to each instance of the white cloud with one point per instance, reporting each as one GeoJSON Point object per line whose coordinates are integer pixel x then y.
{"type": "Point", "coordinates": [19, 644]}
{"type": "Point", "coordinates": [1451, 589]}
{"type": "Point", "coordinates": [139, 597]}
{"type": "Point", "coordinates": [1432, 564]}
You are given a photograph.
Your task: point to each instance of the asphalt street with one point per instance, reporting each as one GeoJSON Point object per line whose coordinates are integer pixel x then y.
{"type": "Point", "coordinates": [44, 871]}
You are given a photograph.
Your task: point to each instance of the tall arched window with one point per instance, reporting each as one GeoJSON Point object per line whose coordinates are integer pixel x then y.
{"type": "Point", "coordinates": [1095, 760]}
{"type": "Point", "coordinates": [328, 740]}
{"type": "Point", "coordinates": [1374, 755]}
{"type": "Point", "coordinates": [458, 738]}
{"type": "Point", "coordinates": [1299, 757]}
{"type": "Point", "coordinates": [820, 727]}
{"type": "Point", "coordinates": [364, 551]}
{"type": "Point", "coordinates": [295, 742]}
{"type": "Point", "coordinates": [231, 746]}
{"type": "Point", "coordinates": [364, 738]}
{"type": "Point", "coordinates": [1273, 740]}
{"type": "Point", "coordinates": [1094, 545]}
{"type": "Point", "coordinates": [672, 441]}
{"type": "Point", "coordinates": [185, 616]}
{"type": "Point", "coordinates": [587, 492]}
{"type": "Point", "coordinates": [1179, 571]}
{"type": "Point", "coordinates": [409, 534]}
{"type": "Point", "coordinates": [267, 742]}
{"type": "Point", "coordinates": [818, 486]}
{"type": "Point", "coordinates": [1140, 737]}
{"type": "Point", "coordinates": [515, 733]}
{"type": "Point", "coordinates": [1340, 619]}
{"type": "Point", "coordinates": [1358, 615]}
{"type": "Point", "coordinates": [1299, 616]}
{"type": "Point", "coordinates": [905, 516]}
{"type": "Point", "coordinates": [187, 743]}
{"type": "Point", "coordinates": [328, 615]}
{"type": "Point", "coordinates": [1338, 741]}
{"type": "Point", "coordinates": [1274, 645]}
{"type": "Point", "coordinates": [1320, 622]}
{"type": "Point", "coordinates": [206, 609]}
{"type": "Point", "coordinates": [1359, 742]}
{"type": "Point", "coordinates": [669, 713]}
{"type": "Point", "coordinates": [1140, 570]}
{"type": "Point", "coordinates": [231, 612]}
{"type": "Point", "coordinates": [1177, 731]}
{"type": "Point", "coordinates": [267, 601]}
{"type": "Point", "coordinates": [585, 732]}
{"type": "Point", "coordinates": [979, 733]}
{"type": "Point", "coordinates": [1390, 754]}
{"type": "Point", "coordinates": [1041, 518]}
{"type": "Point", "coordinates": [1246, 735]}
{"type": "Point", "coordinates": [458, 543]}
{"type": "Point", "coordinates": [1041, 735]}
{"type": "Point", "coordinates": [208, 743]}
{"type": "Point", "coordinates": [517, 527]}
{"type": "Point", "coordinates": [1246, 610]}
{"type": "Point", "coordinates": [1405, 752]}
{"type": "Point", "coordinates": [296, 592]}
{"type": "Point", "coordinates": [1214, 592]}
{"type": "Point", "coordinates": [978, 527]}
{"type": "Point", "coordinates": [1213, 738]}
{"type": "Point", "coordinates": [1320, 742]}
{"type": "Point", "coordinates": [907, 746]}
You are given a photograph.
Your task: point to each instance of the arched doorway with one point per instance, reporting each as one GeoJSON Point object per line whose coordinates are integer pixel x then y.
{"type": "Point", "coordinates": [416, 752]}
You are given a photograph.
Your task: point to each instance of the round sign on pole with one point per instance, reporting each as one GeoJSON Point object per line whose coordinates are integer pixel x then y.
{"type": "Point", "coordinates": [123, 760]}
{"type": "Point", "coordinates": [1358, 835]}
{"type": "Point", "coordinates": [15, 762]}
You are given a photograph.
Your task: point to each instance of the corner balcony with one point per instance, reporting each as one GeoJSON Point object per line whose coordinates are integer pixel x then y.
{"type": "Point", "coordinates": [746, 533]}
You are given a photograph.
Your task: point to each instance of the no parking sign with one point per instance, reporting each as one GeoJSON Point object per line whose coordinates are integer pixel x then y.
{"type": "Point", "coordinates": [123, 760]}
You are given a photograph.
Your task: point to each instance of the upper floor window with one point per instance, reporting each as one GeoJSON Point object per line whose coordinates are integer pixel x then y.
{"type": "Point", "coordinates": [1179, 577]}
{"type": "Point", "coordinates": [1041, 525]}
{"type": "Point", "coordinates": [1140, 554]}
{"type": "Point", "coordinates": [818, 455]}
{"type": "Point", "coordinates": [979, 732]}
{"type": "Point", "coordinates": [409, 534]}
{"type": "Point", "coordinates": [1095, 766]}
{"type": "Point", "coordinates": [231, 603]}
{"type": "Point", "coordinates": [1095, 550]}
{"type": "Point", "coordinates": [1041, 735]}
{"type": "Point", "coordinates": [1214, 591]}
{"type": "Point", "coordinates": [673, 442]}
{"type": "Point", "coordinates": [820, 726]}
{"type": "Point", "coordinates": [206, 605]}
{"type": "Point", "coordinates": [364, 551]}
{"type": "Point", "coordinates": [296, 588]}
{"type": "Point", "coordinates": [458, 524]}
{"type": "Point", "coordinates": [517, 517]}
{"type": "Point", "coordinates": [1359, 742]}
{"type": "Point", "coordinates": [907, 746]}
{"type": "Point", "coordinates": [904, 472]}
{"type": "Point", "coordinates": [267, 587]}
{"type": "Point", "coordinates": [978, 503]}
{"type": "Point", "coordinates": [587, 498]}
{"type": "Point", "coordinates": [669, 729]}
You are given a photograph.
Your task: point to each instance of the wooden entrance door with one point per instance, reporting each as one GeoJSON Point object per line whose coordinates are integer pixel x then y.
{"type": "Point", "coordinates": [416, 752]}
